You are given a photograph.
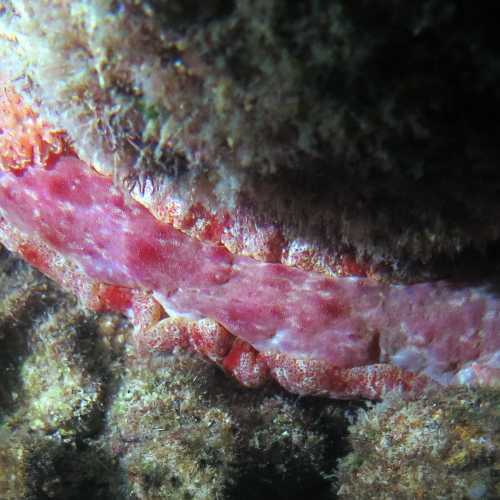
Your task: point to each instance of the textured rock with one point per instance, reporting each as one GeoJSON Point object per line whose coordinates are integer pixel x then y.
{"type": "Point", "coordinates": [345, 138]}
{"type": "Point", "coordinates": [444, 446]}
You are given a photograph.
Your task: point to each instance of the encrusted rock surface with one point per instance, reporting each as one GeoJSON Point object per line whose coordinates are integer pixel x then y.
{"type": "Point", "coordinates": [444, 446]}
{"type": "Point", "coordinates": [362, 127]}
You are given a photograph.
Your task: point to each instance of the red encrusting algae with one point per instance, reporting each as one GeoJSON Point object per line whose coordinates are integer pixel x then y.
{"type": "Point", "coordinates": [335, 336]}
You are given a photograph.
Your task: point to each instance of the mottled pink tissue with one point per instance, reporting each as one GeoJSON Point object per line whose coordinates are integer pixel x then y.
{"type": "Point", "coordinates": [448, 333]}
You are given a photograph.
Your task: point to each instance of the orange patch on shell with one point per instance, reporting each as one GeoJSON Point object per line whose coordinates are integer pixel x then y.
{"type": "Point", "coordinates": [25, 139]}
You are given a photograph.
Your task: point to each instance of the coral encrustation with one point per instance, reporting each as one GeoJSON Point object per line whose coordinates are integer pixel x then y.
{"type": "Point", "coordinates": [338, 336]}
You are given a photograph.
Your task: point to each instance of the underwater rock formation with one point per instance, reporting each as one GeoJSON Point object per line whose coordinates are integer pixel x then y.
{"type": "Point", "coordinates": [347, 335]}
{"type": "Point", "coordinates": [444, 446]}
{"type": "Point", "coordinates": [176, 427]}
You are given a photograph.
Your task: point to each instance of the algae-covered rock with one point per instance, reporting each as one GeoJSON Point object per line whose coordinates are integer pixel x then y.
{"type": "Point", "coordinates": [446, 445]}
{"type": "Point", "coordinates": [356, 124]}
{"type": "Point", "coordinates": [182, 431]}
{"type": "Point", "coordinates": [56, 361]}
{"type": "Point", "coordinates": [366, 126]}
{"type": "Point", "coordinates": [82, 416]}
{"type": "Point", "coordinates": [34, 466]}
{"type": "Point", "coordinates": [54, 354]}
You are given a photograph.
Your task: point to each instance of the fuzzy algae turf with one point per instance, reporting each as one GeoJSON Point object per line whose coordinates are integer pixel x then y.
{"type": "Point", "coordinates": [446, 445]}
{"type": "Point", "coordinates": [56, 363]}
{"type": "Point", "coordinates": [370, 111]}
{"type": "Point", "coordinates": [180, 437]}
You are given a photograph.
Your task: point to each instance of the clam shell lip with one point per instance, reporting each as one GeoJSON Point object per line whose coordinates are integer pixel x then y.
{"type": "Point", "coordinates": [449, 334]}
{"type": "Point", "coordinates": [76, 226]}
